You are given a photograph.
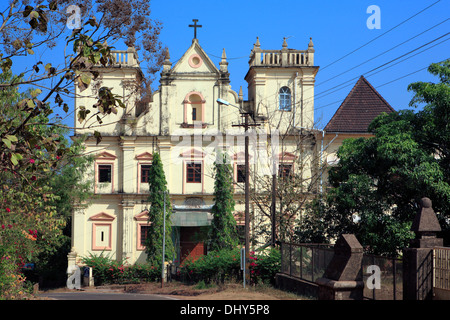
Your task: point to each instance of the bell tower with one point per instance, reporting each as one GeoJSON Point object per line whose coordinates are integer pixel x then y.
{"type": "Point", "coordinates": [281, 85]}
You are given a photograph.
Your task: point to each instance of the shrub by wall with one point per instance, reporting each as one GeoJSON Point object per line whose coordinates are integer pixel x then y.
{"type": "Point", "coordinates": [108, 271]}
{"type": "Point", "coordinates": [224, 265]}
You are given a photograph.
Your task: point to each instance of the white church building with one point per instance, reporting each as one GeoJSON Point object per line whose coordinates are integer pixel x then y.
{"type": "Point", "coordinates": [185, 124]}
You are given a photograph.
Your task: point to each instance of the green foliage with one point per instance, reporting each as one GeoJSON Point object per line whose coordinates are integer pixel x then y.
{"type": "Point", "coordinates": [106, 270]}
{"type": "Point", "coordinates": [224, 265]}
{"type": "Point", "coordinates": [12, 283]}
{"type": "Point", "coordinates": [223, 232]}
{"type": "Point", "coordinates": [217, 267]}
{"type": "Point", "coordinates": [158, 191]}
{"type": "Point", "coordinates": [380, 180]}
{"type": "Point", "coordinates": [39, 169]}
{"type": "Point", "coordinates": [264, 266]}
{"type": "Point", "coordinates": [38, 192]}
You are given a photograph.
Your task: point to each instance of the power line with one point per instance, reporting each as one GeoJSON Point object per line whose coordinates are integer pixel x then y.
{"type": "Point", "coordinates": [392, 48]}
{"type": "Point", "coordinates": [321, 94]}
{"type": "Point", "coordinates": [380, 35]}
{"type": "Point", "coordinates": [384, 84]}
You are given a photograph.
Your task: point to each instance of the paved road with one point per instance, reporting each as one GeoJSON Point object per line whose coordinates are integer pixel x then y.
{"type": "Point", "coordinates": [89, 295]}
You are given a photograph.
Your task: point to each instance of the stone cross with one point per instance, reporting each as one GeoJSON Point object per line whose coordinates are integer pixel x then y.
{"type": "Point", "coordinates": [195, 26]}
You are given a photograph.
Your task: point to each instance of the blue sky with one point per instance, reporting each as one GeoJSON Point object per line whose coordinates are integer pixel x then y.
{"type": "Point", "coordinates": [336, 27]}
{"type": "Point", "coordinates": [413, 35]}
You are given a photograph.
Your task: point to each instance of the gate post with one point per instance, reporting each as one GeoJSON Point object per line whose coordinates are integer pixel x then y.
{"type": "Point", "coordinates": [343, 279]}
{"type": "Point", "coordinates": [418, 259]}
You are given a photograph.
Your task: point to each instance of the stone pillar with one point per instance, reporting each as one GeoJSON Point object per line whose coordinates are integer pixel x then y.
{"type": "Point", "coordinates": [418, 259]}
{"type": "Point", "coordinates": [73, 271]}
{"type": "Point", "coordinates": [310, 53]}
{"type": "Point", "coordinates": [343, 279]}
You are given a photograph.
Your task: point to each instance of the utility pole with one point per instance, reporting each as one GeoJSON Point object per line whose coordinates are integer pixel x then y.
{"type": "Point", "coordinates": [273, 206]}
{"type": "Point", "coordinates": [246, 125]}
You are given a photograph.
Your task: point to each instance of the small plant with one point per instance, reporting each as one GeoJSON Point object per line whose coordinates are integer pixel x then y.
{"type": "Point", "coordinates": [202, 285]}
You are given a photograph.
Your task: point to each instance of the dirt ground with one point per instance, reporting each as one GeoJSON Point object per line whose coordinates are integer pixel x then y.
{"type": "Point", "coordinates": [229, 291]}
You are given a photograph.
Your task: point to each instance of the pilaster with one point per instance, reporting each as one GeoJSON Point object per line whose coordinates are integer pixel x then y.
{"type": "Point", "coordinates": [128, 233]}
{"type": "Point", "coordinates": [128, 174]}
{"type": "Point", "coordinates": [79, 224]}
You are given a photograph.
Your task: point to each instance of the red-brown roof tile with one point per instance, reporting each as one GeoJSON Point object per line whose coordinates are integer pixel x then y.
{"type": "Point", "coordinates": [358, 109]}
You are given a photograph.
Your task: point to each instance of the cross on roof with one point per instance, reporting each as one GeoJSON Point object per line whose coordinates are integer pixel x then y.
{"type": "Point", "coordinates": [195, 26]}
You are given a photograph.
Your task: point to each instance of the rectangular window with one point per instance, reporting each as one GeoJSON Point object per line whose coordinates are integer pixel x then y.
{"type": "Point", "coordinates": [104, 173]}
{"type": "Point", "coordinates": [193, 172]}
{"type": "Point", "coordinates": [144, 235]}
{"type": "Point", "coordinates": [194, 114]}
{"type": "Point", "coordinates": [145, 172]}
{"type": "Point", "coordinates": [240, 173]}
{"type": "Point", "coordinates": [285, 171]}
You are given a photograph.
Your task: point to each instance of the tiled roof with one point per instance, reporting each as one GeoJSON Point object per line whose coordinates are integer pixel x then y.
{"type": "Point", "coordinates": [359, 108]}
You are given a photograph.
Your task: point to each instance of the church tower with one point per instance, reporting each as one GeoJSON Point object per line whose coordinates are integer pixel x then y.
{"type": "Point", "coordinates": [281, 86]}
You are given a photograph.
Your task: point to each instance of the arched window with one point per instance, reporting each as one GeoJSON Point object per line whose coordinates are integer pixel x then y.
{"type": "Point", "coordinates": [194, 110]}
{"type": "Point", "coordinates": [285, 99]}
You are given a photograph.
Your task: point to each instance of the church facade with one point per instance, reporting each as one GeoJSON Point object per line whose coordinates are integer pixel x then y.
{"type": "Point", "coordinates": [187, 125]}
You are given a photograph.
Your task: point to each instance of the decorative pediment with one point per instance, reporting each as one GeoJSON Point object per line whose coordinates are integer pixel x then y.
{"type": "Point", "coordinates": [192, 153]}
{"type": "Point", "coordinates": [143, 216]}
{"type": "Point", "coordinates": [105, 156]}
{"type": "Point", "coordinates": [287, 156]}
{"type": "Point", "coordinates": [145, 157]}
{"type": "Point", "coordinates": [102, 216]}
{"type": "Point", "coordinates": [195, 60]}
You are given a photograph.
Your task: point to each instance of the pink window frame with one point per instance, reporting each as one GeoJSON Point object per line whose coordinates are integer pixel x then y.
{"type": "Point", "coordinates": [94, 233]}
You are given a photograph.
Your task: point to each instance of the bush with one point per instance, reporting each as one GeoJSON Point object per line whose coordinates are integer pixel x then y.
{"type": "Point", "coordinates": [264, 266]}
{"type": "Point", "coordinates": [216, 266]}
{"type": "Point", "coordinates": [12, 282]}
{"type": "Point", "coordinates": [14, 244]}
{"type": "Point", "coordinates": [222, 265]}
{"type": "Point", "coordinates": [108, 271]}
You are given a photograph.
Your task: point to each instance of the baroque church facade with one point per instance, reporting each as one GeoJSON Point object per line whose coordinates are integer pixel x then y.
{"type": "Point", "coordinates": [185, 123]}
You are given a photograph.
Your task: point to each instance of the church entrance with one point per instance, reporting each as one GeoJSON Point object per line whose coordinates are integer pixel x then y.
{"type": "Point", "coordinates": [192, 243]}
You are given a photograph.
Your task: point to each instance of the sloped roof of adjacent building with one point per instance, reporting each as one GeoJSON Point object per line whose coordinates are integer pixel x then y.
{"type": "Point", "coordinates": [361, 106]}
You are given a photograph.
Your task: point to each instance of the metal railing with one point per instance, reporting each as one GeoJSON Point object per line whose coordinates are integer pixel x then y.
{"type": "Point", "coordinates": [305, 261]}
{"type": "Point", "coordinates": [309, 261]}
{"type": "Point", "coordinates": [390, 278]}
{"type": "Point", "coordinates": [441, 266]}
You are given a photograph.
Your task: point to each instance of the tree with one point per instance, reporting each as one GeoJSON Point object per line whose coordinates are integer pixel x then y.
{"type": "Point", "coordinates": [158, 192]}
{"type": "Point", "coordinates": [377, 185]}
{"type": "Point", "coordinates": [71, 189]}
{"type": "Point", "coordinates": [292, 183]}
{"type": "Point", "coordinates": [32, 217]}
{"type": "Point", "coordinates": [27, 28]}
{"type": "Point", "coordinates": [32, 148]}
{"type": "Point", "coordinates": [223, 232]}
